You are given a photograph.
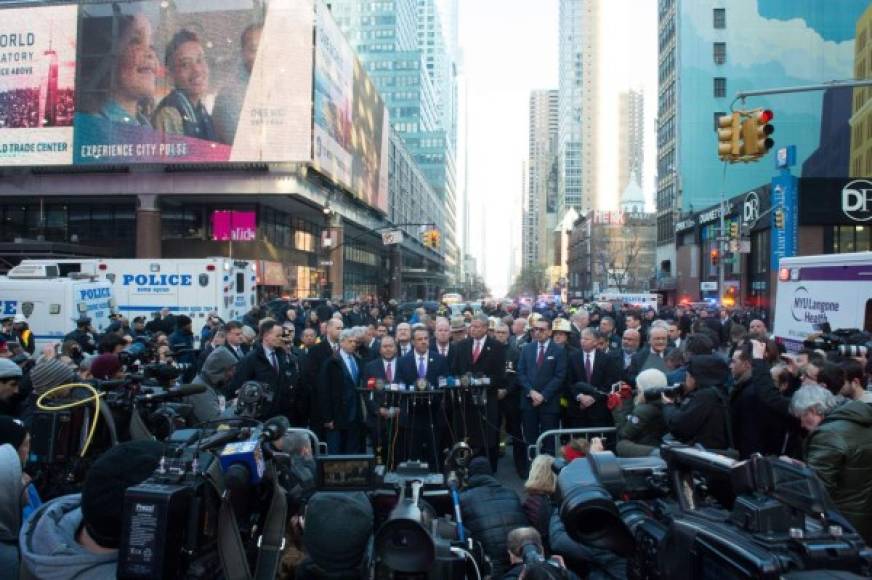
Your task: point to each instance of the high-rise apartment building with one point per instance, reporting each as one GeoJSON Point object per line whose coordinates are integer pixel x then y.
{"type": "Point", "coordinates": [402, 47]}
{"type": "Point", "coordinates": [631, 137]}
{"type": "Point", "coordinates": [577, 152]}
{"type": "Point", "coordinates": [708, 50]}
{"type": "Point", "coordinates": [540, 211]}
{"type": "Point", "coordinates": [861, 120]}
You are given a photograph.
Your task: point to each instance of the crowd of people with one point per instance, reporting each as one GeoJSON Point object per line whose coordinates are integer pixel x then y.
{"type": "Point", "coordinates": [608, 368]}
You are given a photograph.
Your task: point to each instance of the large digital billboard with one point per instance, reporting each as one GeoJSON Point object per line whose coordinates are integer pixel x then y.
{"type": "Point", "coordinates": [351, 127]}
{"type": "Point", "coordinates": [182, 81]}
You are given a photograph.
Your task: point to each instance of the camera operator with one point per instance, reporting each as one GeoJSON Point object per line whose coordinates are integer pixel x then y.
{"type": "Point", "coordinates": [700, 417]}
{"type": "Point", "coordinates": [490, 511]}
{"type": "Point", "coordinates": [215, 375]}
{"type": "Point", "coordinates": [337, 528]}
{"type": "Point", "coordinates": [299, 479]}
{"type": "Point", "coordinates": [758, 410]}
{"type": "Point", "coordinates": [268, 363]}
{"type": "Point", "coordinates": [84, 335]}
{"type": "Point", "coordinates": [642, 430]}
{"type": "Point", "coordinates": [837, 448]}
{"type": "Point", "coordinates": [527, 558]}
{"type": "Point", "coordinates": [77, 536]}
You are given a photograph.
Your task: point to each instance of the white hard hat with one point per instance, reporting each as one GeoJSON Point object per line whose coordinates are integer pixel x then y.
{"type": "Point", "coordinates": [19, 318]}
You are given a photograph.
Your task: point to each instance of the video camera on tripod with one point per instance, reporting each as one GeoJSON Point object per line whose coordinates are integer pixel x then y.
{"type": "Point", "coordinates": [693, 514]}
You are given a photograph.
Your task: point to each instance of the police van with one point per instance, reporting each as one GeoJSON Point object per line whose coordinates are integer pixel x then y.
{"type": "Point", "coordinates": [640, 300]}
{"type": "Point", "coordinates": [52, 303]}
{"type": "Point", "coordinates": [190, 286]}
{"type": "Point", "coordinates": [812, 290]}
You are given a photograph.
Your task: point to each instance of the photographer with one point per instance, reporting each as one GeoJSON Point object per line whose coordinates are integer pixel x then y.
{"type": "Point", "coordinates": [490, 511]}
{"type": "Point", "coordinates": [77, 536]}
{"type": "Point", "coordinates": [837, 448]}
{"type": "Point", "coordinates": [643, 429]}
{"type": "Point", "coordinates": [700, 417]}
{"type": "Point", "coordinates": [527, 558]}
{"type": "Point", "coordinates": [336, 547]}
{"type": "Point", "coordinates": [84, 335]}
{"type": "Point", "coordinates": [216, 373]}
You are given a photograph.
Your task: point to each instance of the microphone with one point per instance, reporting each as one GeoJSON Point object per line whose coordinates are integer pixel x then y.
{"type": "Point", "coordinates": [170, 394]}
{"type": "Point", "coordinates": [275, 428]}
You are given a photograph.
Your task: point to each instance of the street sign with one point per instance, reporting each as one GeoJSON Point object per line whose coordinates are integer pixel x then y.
{"type": "Point", "coordinates": [325, 263]}
{"type": "Point", "coordinates": [392, 237]}
{"type": "Point", "coordinates": [708, 286]}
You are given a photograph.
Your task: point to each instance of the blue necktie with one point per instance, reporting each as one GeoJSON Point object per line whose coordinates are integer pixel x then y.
{"type": "Point", "coordinates": [422, 372]}
{"type": "Point", "coordinates": [353, 365]}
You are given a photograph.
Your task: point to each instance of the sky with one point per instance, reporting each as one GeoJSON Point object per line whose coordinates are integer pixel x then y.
{"type": "Point", "coordinates": [509, 49]}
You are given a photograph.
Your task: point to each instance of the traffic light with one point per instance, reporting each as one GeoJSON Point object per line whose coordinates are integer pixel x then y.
{"type": "Point", "coordinates": [756, 131]}
{"type": "Point", "coordinates": [729, 298]}
{"type": "Point", "coordinates": [715, 258]}
{"type": "Point", "coordinates": [729, 147]}
{"type": "Point", "coordinates": [431, 239]}
{"type": "Point", "coordinates": [734, 230]}
{"type": "Point", "coordinates": [779, 219]}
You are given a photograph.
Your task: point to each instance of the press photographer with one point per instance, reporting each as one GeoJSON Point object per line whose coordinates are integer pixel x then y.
{"type": "Point", "coordinates": [699, 416]}
{"type": "Point", "coordinates": [527, 558]}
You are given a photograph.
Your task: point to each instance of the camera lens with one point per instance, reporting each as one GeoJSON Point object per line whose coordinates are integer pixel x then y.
{"type": "Point", "coordinates": [405, 546]}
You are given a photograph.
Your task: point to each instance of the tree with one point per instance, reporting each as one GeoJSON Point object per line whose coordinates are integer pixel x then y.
{"type": "Point", "coordinates": [532, 280]}
{"type": "Point", "coordinates": [617, 261]}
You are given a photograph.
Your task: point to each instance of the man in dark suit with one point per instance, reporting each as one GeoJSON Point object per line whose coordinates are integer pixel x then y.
{"type": "Point", "coordinates": [315, 360]}
{"type": "Point", "coordinates": [339, 407]}
{"type": "Point", "coordinates": [234, 341]}
{"type": "Point", "coordinates": [423, 416]}
{"type": "Point", "coordinates": [269, 363]}
{"type": "Point", "coordinates": [541, 373]}
{"type": "Point", "coordinates": [591, 375]}
{"type": "Point", "coordinates": [580, 320]}
{"type": "Point", "coordinates": [651, 355]}
{"type": "Point", "coordinates": [441, 342]}
{"type": "Point", "coordinates": [486, 357]}
{"type": "Point", "coordinates": [382, 414]}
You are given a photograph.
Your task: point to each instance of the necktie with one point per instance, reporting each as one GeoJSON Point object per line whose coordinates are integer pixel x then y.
{"type": "Point", "coordinates": [476, 352]}
{"type": "Point", "coordinates": [275, 362]}
{"type": "Point", "coordinates": [541, 358]}
{"type": "Point", "coordinates": [443, 351]}
{"type": "Point", "coordinates": [335, 348]}
{"type": "Point", "coordinates": [353, 367]}
{"type": "Point", "coordinates": [389, 373]}
{"type": "Point", "coordinates": [422, 371]}
{"type": "Point", "coordinates": [588, 367]}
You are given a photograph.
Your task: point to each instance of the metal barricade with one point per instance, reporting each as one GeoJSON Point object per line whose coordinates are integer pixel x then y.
{"type": "Point", "coordinates": [318, 447]}
{"type": "Point", "coordinates": [559, 434]}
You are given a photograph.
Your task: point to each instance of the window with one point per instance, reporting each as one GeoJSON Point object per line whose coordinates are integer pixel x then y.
{"type": "Point", "coordinates": [720, 52]}
{"type": "Point", "coordinates": [720, 18]}
{"type": "Point", "coordinates": [720, 87]}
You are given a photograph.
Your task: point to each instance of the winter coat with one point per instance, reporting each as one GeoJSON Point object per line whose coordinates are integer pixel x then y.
{"type": "Point", "coordinates": [840, 451]}
{"type": "Point", "coordinates": [757, 428]}
{"type": "Point", "coordinates": [10, 509]}
{"type": "Point", "coordinates": [699, 418]}
{"type": "Point", "coordinates": [490, 511]}
{"type": "Point", "coordinates": [209, 405]}
{"type": "Point", "coordinates": [537, 507]}
{"type": "Point", "coordinates": [643, 430]}
{"type": "Point", "coordinates": [49, 550]}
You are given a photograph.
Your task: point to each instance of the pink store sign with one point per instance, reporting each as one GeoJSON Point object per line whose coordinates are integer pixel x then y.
{"type": "Point", "coordinates": [235, 226]}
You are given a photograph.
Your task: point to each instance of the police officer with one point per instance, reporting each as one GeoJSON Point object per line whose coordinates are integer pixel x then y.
{"type": "Point", "coordinates": [84, 335]}
{"type": "Point", "coordinates": [510, 399]}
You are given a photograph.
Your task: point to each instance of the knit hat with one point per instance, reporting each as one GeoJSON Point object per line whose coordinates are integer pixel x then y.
{"type": "Point", "coordinates": [708, 370]}
{"type": "Point", "coordinates": [104, 366]}
{"type": "Point", "coordinates": [50, 373]}
{"type": "Point", "coordinates": [338, 529]}
{"type": "Point", "coordinates": [12, 431]}
{"type": "Point", "coordinates": [9, 369]}
{"type": "Point", "coordinates": [122, 466]}
{"type": "Point", "coordinates": [479, 466]}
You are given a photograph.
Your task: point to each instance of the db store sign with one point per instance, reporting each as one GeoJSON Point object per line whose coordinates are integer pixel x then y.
{"type": "Point", "coordinates": [857, 200]}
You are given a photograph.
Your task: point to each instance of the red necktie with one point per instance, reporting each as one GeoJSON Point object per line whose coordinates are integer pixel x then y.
{"type": "Point", "coordinates": [476, 352]}
{"type": "Point", "coordinates": [541, 358]}
{"type": "Point", "coordinates": [389, 373]}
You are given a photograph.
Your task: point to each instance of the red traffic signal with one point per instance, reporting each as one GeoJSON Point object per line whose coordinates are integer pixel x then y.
{"type": "Point", "coordinates": [715, 257]}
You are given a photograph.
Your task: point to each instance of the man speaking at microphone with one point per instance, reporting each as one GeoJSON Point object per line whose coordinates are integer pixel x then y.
{"type": "Point", "coordinates": [420, 364]}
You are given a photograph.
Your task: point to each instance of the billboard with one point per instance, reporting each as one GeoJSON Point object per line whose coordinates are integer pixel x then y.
{"type": "Point", "coordinates": [236, 226]}
{"type": "Point", "coordinates": [37, 77]}
{"type": "Point", "coordinates": [189, 81]}
{"type": "Point", "coordinates": [351, 126]}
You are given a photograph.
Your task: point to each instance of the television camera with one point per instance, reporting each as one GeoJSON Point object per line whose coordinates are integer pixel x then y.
{"type": "Point", "coordinates": [693, 514]}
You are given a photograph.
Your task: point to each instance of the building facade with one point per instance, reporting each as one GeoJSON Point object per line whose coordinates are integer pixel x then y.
{"type": "Point", "coordinates": [540, 211]}
{"type": "Point", "coordinates": [861, 119]}
{"type": "Point", "coordinates": [711, 49]}
{"type": "Point", "coordinates": [578, 37]}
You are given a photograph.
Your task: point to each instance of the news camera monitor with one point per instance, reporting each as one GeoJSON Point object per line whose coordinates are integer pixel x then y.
{"type": "Point", "coordinates": [346, 472]}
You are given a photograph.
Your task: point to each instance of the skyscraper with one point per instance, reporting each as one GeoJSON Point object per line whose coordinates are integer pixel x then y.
{"type": "Point", "coordinates": [577, 153]}
{"type": "Point", "coordinates": [540, 211]}
{"type": "Point", "coordinates": [631, 137]}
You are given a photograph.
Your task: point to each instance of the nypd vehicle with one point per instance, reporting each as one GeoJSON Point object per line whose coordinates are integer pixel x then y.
{"type": "Point", "coordinates": [193, 287]}
{"type": "Point", "coordinates": [52, 303]}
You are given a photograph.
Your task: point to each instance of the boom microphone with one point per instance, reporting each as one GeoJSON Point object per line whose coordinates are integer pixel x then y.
{"type": "Point", "coordinates": [170, 394]}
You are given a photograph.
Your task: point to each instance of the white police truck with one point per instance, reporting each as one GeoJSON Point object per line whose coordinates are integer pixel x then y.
{"type": "Point", "coordinates": [190, 286]}
{"type": "Point", "coordinates": [834, 288]}
{"type": "Point", "coordinates": [52, 303]}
